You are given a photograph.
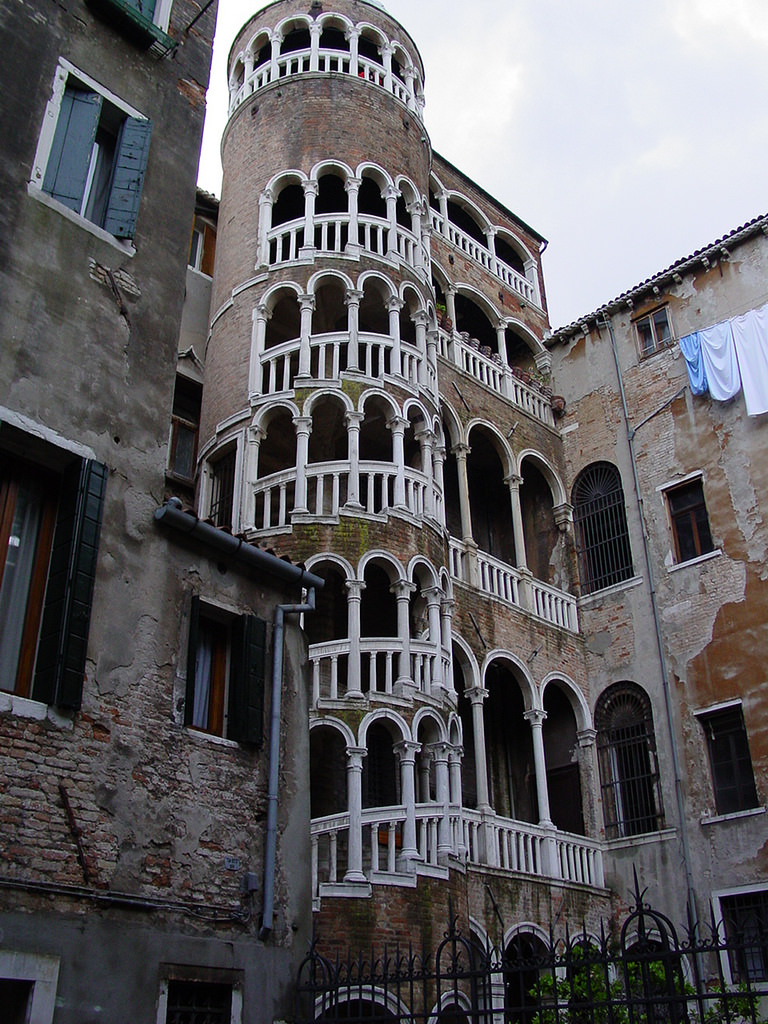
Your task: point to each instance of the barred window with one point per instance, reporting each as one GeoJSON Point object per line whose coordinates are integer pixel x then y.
{"type": "Point", "coordinates": [199, 1002]}
{"type": "Point", "coordinates": [605, 557]}
{"type": "Point", "coordinates": [629, 774]}
{"type": "Point", "coordinates": [745, 916]}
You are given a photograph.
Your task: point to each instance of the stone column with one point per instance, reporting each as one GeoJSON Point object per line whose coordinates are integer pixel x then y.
{"type": "Point", "coordinates": [433, 595]}
{"type": "Point", "coordinates": [438, 456]}
{"type": "Point", "coordinates": [421, 322]}
{"type": "Point", "coordinates": [425, 437]}
{"type": "Point", "coordinates": [501, 340]}
{"type": "Point", "coordinates": [352, 188]}
{"type": "Point", "coordinates": [416, 210]}
{"type": "Point", "coordinates": [311, 188]}
{"type": "Point", "coordinates": [455, 755]}
{"type": "Point", "coordinates": [353, 35]}
{"type": "Point", "coordinates": [352, 299]}
{"type": "Point", "coordinates": [274, 71]}
{"type": "Point", "coordinates": [355, 757]}
{"type": "Point", "coordinates": [303, 426]}
{"type": "Point", "coordinates": [315, 30]}
{"type": "Point", "coordinates": [391, 195]}
{"type": "Point", "coordinates": [402, 591]}
{"type": "Point", "coordinates": [536, 719]}
{"type": "Point", "coordinates": [355, 590]}
{"type": "Point", "coordinates": [393, 308]}
{"type": "Point", "coordinates": [266, 201]}
{"type": "Point", "coordinates": [476, 696]}
{"type": "Point", "coordinates": [260, 317]}
{"type": "Point", "coordinates": [397, 425]}
{"type": "Point", "coordinates": [461, 451]}
{"type": "Point", "coordinates": [514, 482]}
{"type": "Point", "coordinates": [410, 74]}
{"type": "Point", "coordinates": [386, 54]}
{"type": "Point", "coordinates": [440, 753]}
{"type": "Point", "coordinates": [307, 307]}
{"type": "Point", "coordinates": [254, 437]}
{"type": "Point", "coordinates": [406, 751]}
{"type": "Point", "coordinates": [425, 767]}
{"type": "Point", "coordinates": [354, 419]}
{"type": "Point", "coordinates": [447, 606]}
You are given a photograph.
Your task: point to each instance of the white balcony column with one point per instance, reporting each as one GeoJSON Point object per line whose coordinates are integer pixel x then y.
{"type": "Point", "coordinates": [433, 596]}
{"type": "Point", "coordinates": [433, 347]}
{"type": "Point", "coordinates": [307, 307]}
{"type": "Point", "coordinates": [311, 188]}
{"type": "Point", "coordinates": [391, 195]}
{"type": "Point", "coordinates": [352, 188]}
{"type": "Point", "coordinates": [406, 751]}
{"type": "Point", "coordinates": [355, 590]}
{"type": "Point", "coordinates": [247, 66]}
{"type": "Point", "coordinates": [274, 70]}
{"type": "Point", "coordinates": [514, 482]}
{"type": "Point", "coordinates": [476, 696]}
{"type": "Point", "coordinates": [260, 317]}
{"type": "Point", "coordinates": [415, 210]}
{"type": "Point", "coordinates": [254, 437]}
{"type": "Point", "coordinates": [440, 752]}
{"type": "Point", "coordinates": [442, 200]}
{"type": "Point", "coordinates": [353, 35]}
{"type": "Point", "coordinates": [461, 452]}
{"type": "Point", "coordinates": [438, 456]}
{"type": "Point", "coordinates": [393, 308]}
{"type": "Point", "coordinates": [352, 300]}
{"type": "Point", "coordinates": [421, 322]}
{"type": "Point", "coordinates": [397, 425]}
{"type": "Point", "coordinates": [425, 772]}
{"type": "Point", "coordinates": [455, 755]}
{"type": "Point", "coordinates": [303, 426]}
{"type": "Point", "coordinates": [355, 757]}
{"type": "Point", "coordinates": [410, 75]}
{"type": "Point", "coordinates": [353, 420]}
{"type": "Point", "coordinates": [490, 241]}
{"type": "Point", "coordinates": [315, 30]}
{"type": "Point", "coordinates": [426, 439]}
{"type": "Point", "coordinates": [447, 606]}
{"type": "Point", "coordinates": [501, 340]}
{"type": "Point", "coordinates": [532, 277]}
{"type": "Point", "coordinates": [386, 55]}
{"type": "Point", "coordinates": [536, 719]}
{"type": "Point", "coordinates": [402, 590]}
{"type": "Point", "coordinates": [266, 202]}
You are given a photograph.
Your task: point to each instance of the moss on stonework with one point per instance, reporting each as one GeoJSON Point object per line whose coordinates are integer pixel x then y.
{"type": "Point", "coordinates": [352, 536]}
{"type": "Point", "coordinates": [352, 388]}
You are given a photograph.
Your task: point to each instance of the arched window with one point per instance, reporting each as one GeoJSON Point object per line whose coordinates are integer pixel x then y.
{"type": "Point", "coordinates": [605, 557]}
{"type": "Point", "coordinates": [626, 749]}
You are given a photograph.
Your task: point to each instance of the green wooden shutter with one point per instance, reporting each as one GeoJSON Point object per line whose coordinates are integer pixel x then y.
{"type": "Point", "coordinates": [145, 7]}
{"type": "Point", "coordinates": [63, 642]}
{"type": "Point", "coordinates": [194, 621]}
{"type": "Point", "coordinates": [70, 156]}
{"type": "Point", "coordinates": [246, 680]}
{"type": "Point", "coordinates": [128, 177]}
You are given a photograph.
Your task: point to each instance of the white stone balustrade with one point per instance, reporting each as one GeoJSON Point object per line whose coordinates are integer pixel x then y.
{"type": "Point", "coordinates": [328, 61]}
{"type": "Point", "coordinates": [483, 255]}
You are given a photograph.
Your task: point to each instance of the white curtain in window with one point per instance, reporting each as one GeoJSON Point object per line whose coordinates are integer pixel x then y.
{"type": "Point", "coordinates": [203, 661]}
{"type": "Point", "coordinates": [14, 593]}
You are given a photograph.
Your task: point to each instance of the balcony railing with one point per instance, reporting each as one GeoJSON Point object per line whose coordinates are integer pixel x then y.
{"type": "Point", "coordinates": [514, 586]}
{"type": "Point", "coordinates": [496, 375]}
{"type": "Point", "coordinates": [331, 236]}
{"type": "Point", "coordinates": [300, 62]}
{"type": "Point", "coordinates": [329, 358]}
{"type": "Point", "coordinates": [487, 259]}
{"type": "Point", "coordinates": [380, 667]}
{"type": "Point", "coordinates": [484, 839]}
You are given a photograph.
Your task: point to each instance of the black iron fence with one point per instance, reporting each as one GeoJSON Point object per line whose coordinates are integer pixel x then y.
{"type": "Point", "coordinates": [645, 972]}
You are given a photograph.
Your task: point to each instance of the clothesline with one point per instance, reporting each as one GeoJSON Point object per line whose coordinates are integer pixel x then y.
{"type": "Point", "coordinates": [730, 356]}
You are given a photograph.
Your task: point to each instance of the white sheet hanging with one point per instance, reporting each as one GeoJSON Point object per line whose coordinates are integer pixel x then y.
{"type": "Point", "coordinates": [718, 354]}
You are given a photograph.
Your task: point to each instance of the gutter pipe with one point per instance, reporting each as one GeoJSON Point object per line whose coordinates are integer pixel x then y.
{"type": "Point", "coordinates": [685, 847]}
{"type": "Point", "coordinates": [270, 845]}
{"type": "Point", "coordinates": [252, 557]}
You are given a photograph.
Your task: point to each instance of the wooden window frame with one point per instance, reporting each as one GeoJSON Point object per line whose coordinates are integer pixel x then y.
{"type": "Point", "coordinates": [649, 318]}
{"type": "Point", "coordinates": [700, 531]}
{"type": "Point", "coordinates": [729, 755]}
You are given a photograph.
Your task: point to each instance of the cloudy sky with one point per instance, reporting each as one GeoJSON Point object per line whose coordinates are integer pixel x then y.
{"type": "Point", "coordinates": [627, 134]}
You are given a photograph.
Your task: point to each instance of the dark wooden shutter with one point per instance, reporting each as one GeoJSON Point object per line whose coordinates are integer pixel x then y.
{"type": "Point", "coordinates": [128, 177]}
{"type": "Point", "coordinates": [63, 640]}
{"type": "Point", "coordinates": [194, 623]}
{"type": "Point", "coordinates": [246, 680]}
{"type": "Point", "coordinates": [70, 156]}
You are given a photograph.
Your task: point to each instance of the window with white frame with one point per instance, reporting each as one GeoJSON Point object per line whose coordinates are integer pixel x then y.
{"type": "Point", "coordinates": [199, 995]}
{"type": "Point", "coordinates": [50, 516]}
{"type": "Point", "coordinates": [92, 153]}
{"type": "Point", "coordinates": [225, 673]}
{"type": "Point", "coordinates": [28, 983]}
{"type": "Point", "coordinates": [654, 331]}
{"type": "Point", "coordinates": [689, 520]}
{"type": "Point", "coordinates": [745, 919]}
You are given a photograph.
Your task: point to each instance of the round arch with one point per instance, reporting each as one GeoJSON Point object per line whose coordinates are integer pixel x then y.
{"type": "Point", "coordinates": [322, 395]}
{"type": "Point", "coordinates": [547, 470]}
{"type": "Point", "coordinates": [383, 715]}
{"type": "Point", "coordinates": [331, 722]}
{"type": "Point", "coordinates": [519, 670]}
{"type": "Point", "coordinates": [575, 697]}
{"type": "Point", "coordinates": [329, 558]}
{"type": "Point", "coordinates": [429, 714]}
{"type": "Point", "coordinates": [330, 166]}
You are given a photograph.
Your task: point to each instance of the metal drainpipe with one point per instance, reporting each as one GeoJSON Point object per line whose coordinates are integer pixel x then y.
{"type": "Point", "coordinates": [686, 851]}
{"type": "Point", "coordinates": [270, 848]}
